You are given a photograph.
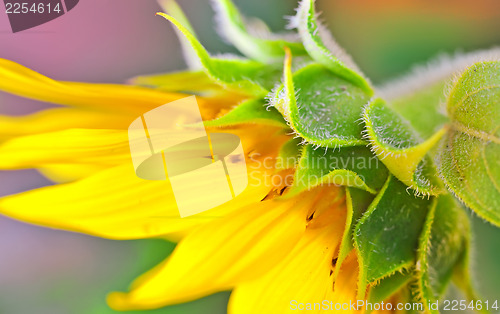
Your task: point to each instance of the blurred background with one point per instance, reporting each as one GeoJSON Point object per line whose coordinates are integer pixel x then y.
{"type": "Point", "coordinates": [52, 271]}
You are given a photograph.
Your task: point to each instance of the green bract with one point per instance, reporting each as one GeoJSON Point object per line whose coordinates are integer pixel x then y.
{"type": "Point", "coordinates": [387, 234]}
{"type": "Point", "coordinates": [190, 55]}
{"type": "Point", "coordinates": [250, 111]}
{"type": "Point", "coordinates": [388, 286]}
{"type": "Point", "coordinates": [423, 110]}
{"type": "Point", "coordinates": [349, 166]}
{"type": "Point", "coordinates": [441, 246]}
{"type": "Point", "coordinates": [471, 151]}
{"type": "Point", "coordinates": [397, 160]}
{"type": "Point", "coordinates": [289, 154]}
{"type": "Point", "coordinates": [266, 49]}
{"type": "Point", "coordinates": [247, 76]}
{"type": "Point", "coordinates": [397, 145]}
{"type": "Point", "coordinates": [357, 203]}
{"type": "Point", "coordinates": [321, 107]}
{"type": "Point", "coordinates": [316, 39]}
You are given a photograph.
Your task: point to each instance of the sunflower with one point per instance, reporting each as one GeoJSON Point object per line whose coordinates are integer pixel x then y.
{"type": "Point", "coordinates": [348, 202]}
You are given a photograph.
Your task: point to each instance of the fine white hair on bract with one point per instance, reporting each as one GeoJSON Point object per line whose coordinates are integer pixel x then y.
{"type": "Point", "coordinates": [442, 67]}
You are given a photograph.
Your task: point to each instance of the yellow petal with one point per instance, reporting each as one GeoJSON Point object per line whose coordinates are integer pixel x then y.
{"type": "Point", "coordinates": [304, 275]}
{"type": "Point", "coordinates": [178, 81]}
{"type": "Point", "coordinates": [115, 204]}
{"type": "Point", "coordinates": [344, 291]}
{"type": "Point", "coordinates": [143, 99]}
{"type": "Point", "coordinates": [122, 99]}
{"type": "Point", "coordinates": [74, 146]}
{"type": "Point", "coordinates": [61, 118]}
{"type": "Point", "coordinates": [220, 254]}
{"type": "Point", "coordinates": [346, 281]}
{"type": "Point", "coordinates": [19, 80]}
{"type": "Point", "coordinates": [63, 173]}
{"type": "Point", "coordinates": [82, 152]}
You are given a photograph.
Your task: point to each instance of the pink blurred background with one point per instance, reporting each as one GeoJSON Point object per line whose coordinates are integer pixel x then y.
{"type": "Point", "coordinates": [49, 271]}
{"type": "Point", "coordinates": [98, 41]}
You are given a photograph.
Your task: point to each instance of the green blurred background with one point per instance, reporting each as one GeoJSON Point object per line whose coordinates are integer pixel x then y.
{"type": "Point", "coordinates": [50, 271]}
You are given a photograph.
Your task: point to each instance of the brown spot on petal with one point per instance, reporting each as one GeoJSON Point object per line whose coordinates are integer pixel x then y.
{"type": "Point", "coordinates": [334, 261]}
{"type": "Point", "coordinates": [310, 217]}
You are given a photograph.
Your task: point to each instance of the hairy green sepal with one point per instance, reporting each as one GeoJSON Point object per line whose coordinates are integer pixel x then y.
{"type": "Point", "coordinates": [348, 166]}
{"type": "Point", "coordinates": [386, 237]}
{"type": "Point", "coordinates": [396, 144]}
{"type": "Point", "coordinates": [233, 26]}
{"type": "Point", "coordinates": [253, 111]}
{"type": "Point", "coordinates": [321, 107]}
{"type": "Point", "coordinates": [247, 76]}
{"type": "Point", "coordinates": [469, 155]}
